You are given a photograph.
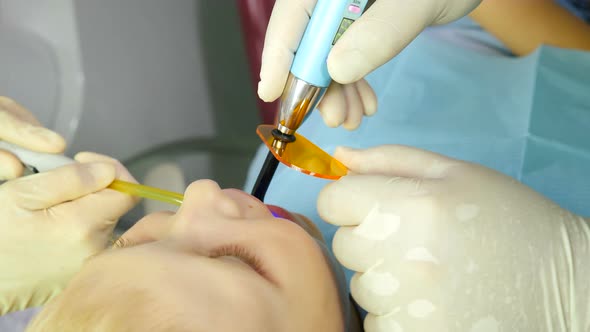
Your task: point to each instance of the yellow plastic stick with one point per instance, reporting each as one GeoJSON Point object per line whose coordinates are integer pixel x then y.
{"type": "Point", "coordinates": [140, 190]}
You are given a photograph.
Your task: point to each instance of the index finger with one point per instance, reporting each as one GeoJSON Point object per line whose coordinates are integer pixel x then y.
{"type": "Point", "coordinates": [287, 24]}
{"type": "Point", "coordinates": [18, 110]}
{"type": "Point", "coordinates": [22, 132]}
{"type": "Point", "coordinates": [396, 160]}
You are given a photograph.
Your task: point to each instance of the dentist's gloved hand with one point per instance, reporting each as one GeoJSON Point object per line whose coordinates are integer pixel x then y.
{"type": "Point", "coordinates": [380, 34]}
{"type": "Point", "coordinates": [445, 245]}
{"type": "Point", "coordinates": [51, 222]}
{"type": "Point", "coordinates": [20, 127]}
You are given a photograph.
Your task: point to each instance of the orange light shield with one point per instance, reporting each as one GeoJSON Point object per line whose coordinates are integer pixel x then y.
{"type": "Point", "coordinates": [304, 156]}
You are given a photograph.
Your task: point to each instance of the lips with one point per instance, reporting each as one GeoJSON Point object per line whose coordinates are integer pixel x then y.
{"type": "Point", "coordinates": [298, 219]}
{"type": "Point", "coordinates": [279, 212]}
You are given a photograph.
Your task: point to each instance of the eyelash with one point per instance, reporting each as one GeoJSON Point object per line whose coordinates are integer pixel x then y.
{"type": "Point", "coordinates": [243, 254]}
{"type": "Point", "coordinates": [236, 251]}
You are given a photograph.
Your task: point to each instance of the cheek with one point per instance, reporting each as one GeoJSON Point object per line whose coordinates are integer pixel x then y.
{"type": "Point", "coordinates": [307, 281]}
{"type": "Point", "coordinates": [316, 299]}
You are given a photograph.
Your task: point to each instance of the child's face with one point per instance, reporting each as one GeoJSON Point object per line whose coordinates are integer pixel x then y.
{"type": "Point", "coordinates": [222, 263]}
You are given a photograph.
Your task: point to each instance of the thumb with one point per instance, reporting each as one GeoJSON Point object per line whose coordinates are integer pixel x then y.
{"type": "Point", "coordinates": [395, 160]}
{"type": "Point", "coordinates": [377, 36]}
{"type": "Point", "coordinates": [63, 184]}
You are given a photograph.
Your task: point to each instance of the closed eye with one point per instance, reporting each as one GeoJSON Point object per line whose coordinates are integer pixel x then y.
{"type": "Point", "coordinates": [242, 254]}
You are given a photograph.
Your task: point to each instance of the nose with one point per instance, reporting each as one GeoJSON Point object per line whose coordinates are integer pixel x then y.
{"type": "Point", "coordinates": [206, 197]}
{"type": "Point", "coordinates": [250, 207]}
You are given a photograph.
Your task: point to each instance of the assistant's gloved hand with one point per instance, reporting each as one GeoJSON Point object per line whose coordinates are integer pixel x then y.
{"type": "Point", "coordinates": [380, 34]}
{"type": "Point", "coordinates": [20, 127]}
{"type": "Point", "coordinates": [445, 245]}
{"type": "Point", "coordinates": [51, 222]}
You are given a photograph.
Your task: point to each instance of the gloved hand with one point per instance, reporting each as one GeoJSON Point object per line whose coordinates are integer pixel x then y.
{"type": "Point", "coordinates": [20, 127]}
{"type": "Point", "coordinates": [51, 222]}
{"type": "Point", "coordinates": [444, 245]}
{"type": "Point", "coordinates": [380, 34]}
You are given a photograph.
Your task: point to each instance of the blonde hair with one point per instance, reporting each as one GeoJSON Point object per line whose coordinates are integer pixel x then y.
{"type": "Point", "coordinates": [102, 304]}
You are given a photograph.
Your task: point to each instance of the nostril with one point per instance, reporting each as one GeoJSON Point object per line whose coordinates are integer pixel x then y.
{"type": "Point", "coordinates": [228, 207]}
{"type": "Point", "coordinates": [249, 206]}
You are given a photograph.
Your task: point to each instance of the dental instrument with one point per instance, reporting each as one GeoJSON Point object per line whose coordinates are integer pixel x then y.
{"type": "Point", "coordinates": [144, 191]}
{"type": "Point", "coordinates": [308, 79]}
{"type": "Point", "coordinates": [41, 162]}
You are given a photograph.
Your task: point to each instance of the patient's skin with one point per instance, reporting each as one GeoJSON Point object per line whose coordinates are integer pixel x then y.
{"type": "Point", "coordinates": [167, 271]}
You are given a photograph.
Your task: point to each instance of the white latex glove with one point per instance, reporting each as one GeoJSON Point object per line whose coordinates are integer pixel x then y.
{"type": "Point", "coordinates": [20, 127]}
{"type": "Point", "coordinates": [445, 245]}
{"type": "Point", "coordinates": [380, 34]}
{"type": "Point", "coordinates": [51, 222]}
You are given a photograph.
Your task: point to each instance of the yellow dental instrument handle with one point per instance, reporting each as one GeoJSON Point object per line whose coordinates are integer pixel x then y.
{"type": "Point", "coordinates": [140, 190]}
{"type": "Point", "coordinates": [41, 162]}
